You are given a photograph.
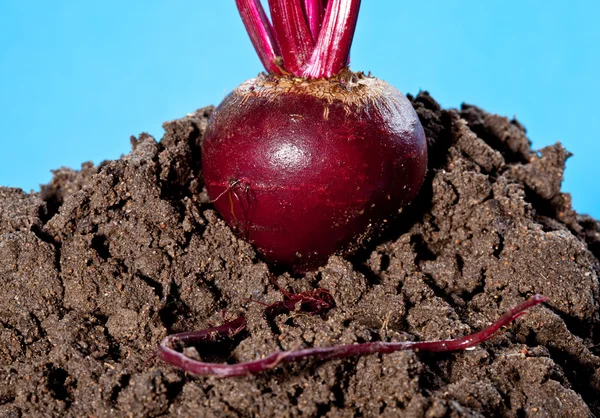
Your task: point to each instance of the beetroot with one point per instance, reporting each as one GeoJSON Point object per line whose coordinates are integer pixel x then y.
{"type": "Point", "coordinates": [309, 159]}
{"type": "Point", "coordinates": [305, 162]}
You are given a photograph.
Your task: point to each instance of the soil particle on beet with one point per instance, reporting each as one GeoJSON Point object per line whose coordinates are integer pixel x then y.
{"type": "Point", "coordinates": [106, 261]}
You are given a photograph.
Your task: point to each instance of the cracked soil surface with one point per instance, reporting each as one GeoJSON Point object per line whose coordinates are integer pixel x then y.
{"type": "Point", "coordinates": [104, 262]}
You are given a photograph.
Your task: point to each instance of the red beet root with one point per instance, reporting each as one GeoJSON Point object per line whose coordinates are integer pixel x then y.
{"type": "Point", "coordinates": [307, 161]}
{"type": "Point", "coordinates": [303, 169]}
{"type": "Point", "coordinates": [167, 350]}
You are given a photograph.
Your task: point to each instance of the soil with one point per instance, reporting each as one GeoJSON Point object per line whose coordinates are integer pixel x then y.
{"type": "Point", "coordinates": [104, 262]}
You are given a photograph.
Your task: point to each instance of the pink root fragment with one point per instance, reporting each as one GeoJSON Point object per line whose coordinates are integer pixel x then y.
{"type": "Point", "coordinates": [332, 49]}
{"type": "Point", "coordinates": [168, 353]}
{"type": "Point", "coordinates": [261, 33]}
{"type": "Point", "coordinates": [312, 302]}
{"type": "Point", "coordinates": [292, 33]}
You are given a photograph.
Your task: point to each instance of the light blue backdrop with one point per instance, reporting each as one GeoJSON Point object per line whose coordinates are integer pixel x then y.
{"type": "Point", "coordinates": [78, 77]}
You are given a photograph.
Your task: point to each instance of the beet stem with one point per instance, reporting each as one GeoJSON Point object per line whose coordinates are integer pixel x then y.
{"type": "Point", "coordinates": [315, 12]}
{"type": "Point", "coordinates": [261, 33]}
{"type": "Point", "coordinates": [332, 50]}
{"type": "Point", "coordinates": [170, 355]}
{"type": "Point", "coordinates": [292, 33]}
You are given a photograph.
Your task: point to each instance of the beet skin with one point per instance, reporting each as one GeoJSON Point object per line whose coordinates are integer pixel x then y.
{"type": "Point", "coordinates": [304, 169]}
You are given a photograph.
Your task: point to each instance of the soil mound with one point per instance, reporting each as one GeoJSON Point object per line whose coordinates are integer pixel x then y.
{"type": "Point", "coordinates": [104, 262]}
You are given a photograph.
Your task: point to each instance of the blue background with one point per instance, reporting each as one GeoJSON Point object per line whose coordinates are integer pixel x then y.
{"type": "Point", "coordinates": [78, 77]}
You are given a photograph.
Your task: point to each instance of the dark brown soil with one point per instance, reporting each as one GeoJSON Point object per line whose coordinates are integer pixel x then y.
{"type": "Point", "coordinates": [103, 263]}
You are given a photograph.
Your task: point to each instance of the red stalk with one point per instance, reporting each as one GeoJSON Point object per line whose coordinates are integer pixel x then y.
{"type": "Point", "coordinates": [332, 50]}
{"type": "Point", "coordinates": [170, 355]}
{"type": "Point", "coordinates": [261, 33]}
{"type": "Point", "coordinates": [293, 35]}
{"type": "Point", "coordinates": [315, 11]}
